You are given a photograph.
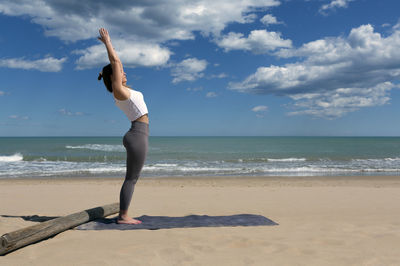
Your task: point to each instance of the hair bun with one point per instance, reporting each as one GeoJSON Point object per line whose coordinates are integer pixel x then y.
{"type": "Point", "coordinates": [100, 76]}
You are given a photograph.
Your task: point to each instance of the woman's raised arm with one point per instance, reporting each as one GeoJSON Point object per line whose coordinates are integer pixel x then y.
{"type": "Point", "coordinates": [119, 91]}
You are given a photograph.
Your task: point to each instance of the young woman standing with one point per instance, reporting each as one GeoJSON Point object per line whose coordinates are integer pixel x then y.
{"type": "Point", "coordinates": [132, 103]}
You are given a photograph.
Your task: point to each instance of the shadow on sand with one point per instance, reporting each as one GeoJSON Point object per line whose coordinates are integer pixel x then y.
{"type": "Point", "coordinates": [32, 218]}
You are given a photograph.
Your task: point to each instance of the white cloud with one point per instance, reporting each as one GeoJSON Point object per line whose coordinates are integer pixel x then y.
{"type": "Point", "coordinates": [143, 23]}
{"type": "Point", "coordinates": [195, 89]}
{"type": "Point", "coordinates": [218, 76]}
{"type": "Point", "coordinates": [132, 54]}
{"type": "Point", "coordinates": [2, 93]}
{"type": "Point", "coordinates": [269, 19]}
{"type": "Point", "coordinates": [211, 94]}
{"type": "Point", "coordinates": [155, 20]}
{"type": "Point", "coordinates": [249, 18]}
{"type": "Point", "coordinates": [260, 108]}
{"type": "Point", "coordinates": [48, 64]}
{"type": "Point", "coordinates": [188, 70]}
{"type": "Point", "coordinates": [258, 41]}
{"type": "Point", "coordinates": [397, 26]}
{"type": "Point", "coordinates": [334, 73]}
{"type": "Point", "coordinates": [336, 103]}
{"type": "Point", "coordinates": [69, 113]}
{"type": "Point", "coordinates": [333, 5]}
{"type": "Point", "coordinates": [19, 117]}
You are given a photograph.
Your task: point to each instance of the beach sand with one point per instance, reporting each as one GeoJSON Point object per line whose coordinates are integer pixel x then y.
{"type": "Point", "coordinates": [322, 221]}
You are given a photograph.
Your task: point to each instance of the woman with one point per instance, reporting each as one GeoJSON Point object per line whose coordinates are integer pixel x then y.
{"type": "Point", "coordinates": [131, 102]}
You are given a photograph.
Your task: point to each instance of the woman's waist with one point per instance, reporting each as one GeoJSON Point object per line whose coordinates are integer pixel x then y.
{"type": "Point", "coordinates": [144, 118]}
{"type": "Point", "coordinates": [139, 126]}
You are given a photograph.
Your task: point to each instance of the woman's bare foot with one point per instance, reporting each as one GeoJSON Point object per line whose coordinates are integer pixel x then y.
{"type": "Point", "coordinates": [127, 220]}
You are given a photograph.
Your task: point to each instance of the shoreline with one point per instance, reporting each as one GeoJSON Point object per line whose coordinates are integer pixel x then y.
{"type": "Point", "coordinates": [384, 180]}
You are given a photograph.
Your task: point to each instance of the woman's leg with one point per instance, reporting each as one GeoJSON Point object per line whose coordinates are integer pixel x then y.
{"type": "Point", "coordinates": [136, 144]}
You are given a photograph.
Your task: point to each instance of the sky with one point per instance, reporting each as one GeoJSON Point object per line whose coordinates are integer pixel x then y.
{"type": "Point", "coordinates": [205, 67]}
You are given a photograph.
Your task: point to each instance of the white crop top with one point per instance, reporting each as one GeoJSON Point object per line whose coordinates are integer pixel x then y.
{"type": "Point", "coordinates": [134, 107]}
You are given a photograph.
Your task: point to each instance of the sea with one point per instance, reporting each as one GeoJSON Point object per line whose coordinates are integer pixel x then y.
{"type": "Point", "coordinates": [75, 157]}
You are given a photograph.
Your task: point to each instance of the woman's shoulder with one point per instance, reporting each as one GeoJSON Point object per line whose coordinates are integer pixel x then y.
{"type": "Point", "coordinates": [134, 92]}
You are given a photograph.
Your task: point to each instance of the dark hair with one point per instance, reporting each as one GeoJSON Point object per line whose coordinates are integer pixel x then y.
{"type": "Point", "coordinates": [106, 75]}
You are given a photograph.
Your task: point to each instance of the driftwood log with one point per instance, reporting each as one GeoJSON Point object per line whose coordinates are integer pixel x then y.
{"type": "Point", "coordinates": [20, 238]}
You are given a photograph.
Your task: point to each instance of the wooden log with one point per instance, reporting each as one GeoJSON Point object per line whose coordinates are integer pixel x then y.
{"type": "Point", "coordinates": [20, 238]}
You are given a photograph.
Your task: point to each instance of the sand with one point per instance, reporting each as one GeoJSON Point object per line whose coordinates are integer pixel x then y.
{"type": "Point", "coordinates": [322, 221]}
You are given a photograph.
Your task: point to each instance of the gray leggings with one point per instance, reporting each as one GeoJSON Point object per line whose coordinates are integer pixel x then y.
{"type": "Point", "coordinates": [136, 144]}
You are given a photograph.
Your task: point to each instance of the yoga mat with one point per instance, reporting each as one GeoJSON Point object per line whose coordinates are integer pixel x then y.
{"type": "Point", "coordinates": [190, 221]}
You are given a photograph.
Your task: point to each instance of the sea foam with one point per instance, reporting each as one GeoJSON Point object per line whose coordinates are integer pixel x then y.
{"type": "Point", "coordinates": [12, 158]}
{"type": "Point", "coordinates": [98, 147]}
{"type": "Point", "coordinates": [287, 160]}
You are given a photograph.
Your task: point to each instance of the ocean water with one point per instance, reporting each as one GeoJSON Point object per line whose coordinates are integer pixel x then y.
{"type": "Point", "coordinates": [34, 157]}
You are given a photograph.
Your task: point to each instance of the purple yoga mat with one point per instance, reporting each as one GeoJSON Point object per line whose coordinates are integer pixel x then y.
{"type": "Point", "coordinates": [166, 222]}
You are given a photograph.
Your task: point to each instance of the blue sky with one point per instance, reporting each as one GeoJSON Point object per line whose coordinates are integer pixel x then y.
{"type": "Point", "coordinates": [206, 68]}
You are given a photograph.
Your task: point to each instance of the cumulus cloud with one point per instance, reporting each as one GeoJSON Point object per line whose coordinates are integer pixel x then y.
{"type": "Point", "coordinates": [338, 102]}
{"type": "Point", "coordinates": [48, 64]}
{"type": "Point", "coordinates": [148, 24]}
{"type": "Point", "coordinates": [188, 70]}
{"type": "Point", "coordinates": [333, 5]}
{"type": "Point", "coordinates": [154, 20]}
{"type": "Point", "coordinates": [269, 19]}
{"type": "Point", "coordinates": [258, 41]}
{"type": "Point", "coordinates": [260, 108]}
{"type": "Point", "coordinates": [334, 73]}
{"type": "Point", "coordinates": [132, 54]}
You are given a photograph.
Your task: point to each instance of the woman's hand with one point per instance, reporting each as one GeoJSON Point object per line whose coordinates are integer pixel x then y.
{"type": "Point", "coordinates": [104, 37]}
